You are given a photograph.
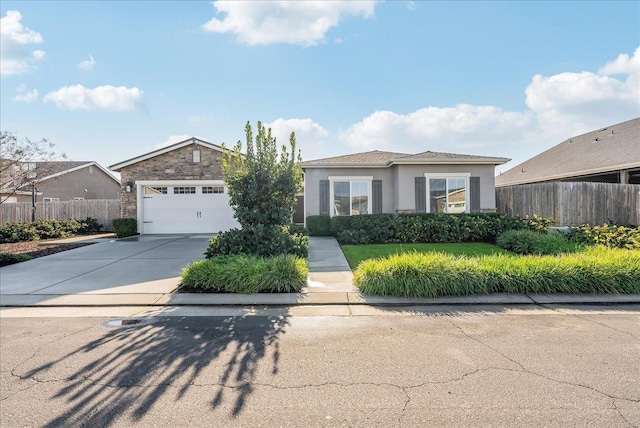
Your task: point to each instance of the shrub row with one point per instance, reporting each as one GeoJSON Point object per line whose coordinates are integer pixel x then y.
{"type": "Point", "coordinates": [260, 240]}
{"type": "Point", "coordinates": [246, 274]}
{"type": "Point", "coordinates": [596, 270]}
{"type": "Point", "coordinates": [608, 235]}
{"type": "Point", "coordinates": [530, 242]}
{"type": "Point", "coordinates": [19, 231]}
{"type": "Point", "coordinates": [410, 228]}
{"type": "Point", "coordinates": [124, 227]}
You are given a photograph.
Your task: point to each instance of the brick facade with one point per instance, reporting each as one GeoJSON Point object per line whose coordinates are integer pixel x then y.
{"type": "Point", "coordinates": [174, 165]}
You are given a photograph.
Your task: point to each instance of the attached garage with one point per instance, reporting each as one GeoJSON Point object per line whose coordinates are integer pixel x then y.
{"type": "Point", "coordinates": [177, 189]}
{"type": "Point", "coordinates": [184, 207]}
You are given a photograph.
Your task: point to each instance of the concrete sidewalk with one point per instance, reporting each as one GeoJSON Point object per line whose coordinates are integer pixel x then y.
{"type": "Point", "coordinates": [108, 275]}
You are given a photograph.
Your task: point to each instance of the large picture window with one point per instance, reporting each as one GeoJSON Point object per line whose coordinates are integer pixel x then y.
{"type": "Point", "coordinates": [350, 197]}
{"type": "Point", "coordinates": [447, 194]}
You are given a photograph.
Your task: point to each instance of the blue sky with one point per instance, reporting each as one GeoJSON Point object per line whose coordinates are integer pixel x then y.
{"type": "Point", "coordinates": [108, 81]}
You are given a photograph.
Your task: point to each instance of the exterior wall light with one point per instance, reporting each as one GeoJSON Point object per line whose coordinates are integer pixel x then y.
{"type": "Point", "coordinates": [129, 186]}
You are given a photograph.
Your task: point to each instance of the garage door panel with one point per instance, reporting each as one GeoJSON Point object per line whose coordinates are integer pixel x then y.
{"type": "Point", "coordinates": [187, 213]}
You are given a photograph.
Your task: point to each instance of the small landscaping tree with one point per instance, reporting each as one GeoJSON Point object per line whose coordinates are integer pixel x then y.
{"type": "Point", "coordinates": [263, 183]}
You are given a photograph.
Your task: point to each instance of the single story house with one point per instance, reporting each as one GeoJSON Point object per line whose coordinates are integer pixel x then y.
{"type": "Point", "coordinates": [387, 182]}
{"type": "Point", "coordinates": [176, 189]}
{"type": "Point", "coordinates": [609, 155]}
{"type": "Point", "coordinates": [63, 181]}
{"type": "Point", "coordinates": [180, 188]}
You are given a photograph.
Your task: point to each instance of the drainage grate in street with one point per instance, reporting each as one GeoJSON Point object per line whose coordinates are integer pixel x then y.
{"type": "Point", "coordinates": [128, 322]}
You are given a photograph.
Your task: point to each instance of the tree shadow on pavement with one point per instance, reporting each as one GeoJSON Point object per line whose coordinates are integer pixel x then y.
{"type": "Point", "coordinates": [130, 368]}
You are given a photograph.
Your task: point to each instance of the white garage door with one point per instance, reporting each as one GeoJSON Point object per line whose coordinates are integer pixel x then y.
{"type": "Point", "coordinates": [186, 209]}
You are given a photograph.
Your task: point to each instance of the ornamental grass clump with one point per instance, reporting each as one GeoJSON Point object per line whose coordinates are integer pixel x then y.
{"type": "Point", "coordinates": [246, 274]}
{"type": "Point", "coordinates": [530, 242]}
{"type": "Point", "coordinates": [596, 270]}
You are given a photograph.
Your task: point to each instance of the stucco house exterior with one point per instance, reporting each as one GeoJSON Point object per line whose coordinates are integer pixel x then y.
{"type": "Point", "coordinates": [388, 182]}
{"type": "Point", "coordinates": [608, 155]}
{"type": "Point", "coordinates": [180, 188]}
{"type": "Point", "coordinates": [65, 181]}
{"type": "Point", "coordinates": [177, 189]}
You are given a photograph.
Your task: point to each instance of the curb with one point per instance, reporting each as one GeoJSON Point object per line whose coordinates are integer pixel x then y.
{"type": "Point", "coordinates": [302, 299]}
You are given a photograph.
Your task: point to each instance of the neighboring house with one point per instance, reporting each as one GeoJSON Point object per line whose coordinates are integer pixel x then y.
{"type": "Point", "coordinates": [610, 155]}
{"type": "Point", "coordinates": [177, 189]}
{"type": "Point", "coordinates": [386, 182]}
{"type": "Point", "coordinates": [64, 181]}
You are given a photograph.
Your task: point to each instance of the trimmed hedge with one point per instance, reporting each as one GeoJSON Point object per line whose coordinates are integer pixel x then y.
{"type": "Point", "coordinates": [530, 242]}
{"type": "Point", "coordinates": [596, 270]}
{"type": "Point", "coordinates": [246, 274]}
{"type": "Point", "coordinates": [124, 227]}
{"type": "Point", "coordinates": [260, 240]}
{"type": "Point", "coordinates": [608, 235]}
{"type": "Point", "coordinates": [413, 228]}
{"type": "Point", "coordinates": [19, 231]}
{"type": "Point", "coordinates": [319, 225]}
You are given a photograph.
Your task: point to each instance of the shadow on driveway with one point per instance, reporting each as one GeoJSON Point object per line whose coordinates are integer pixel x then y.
{"type": "Point", "coordinates": [129, 369]}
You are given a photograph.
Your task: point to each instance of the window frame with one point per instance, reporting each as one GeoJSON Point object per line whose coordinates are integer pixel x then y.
{"type": "Point", "coordinates": [184, 190]}
{"type": "Point", "coordinates": [350, 179]}
{"type": "Point", "coordinates": [48, 199]}
{"type": "Point", "coordinates": [446, 176]}
{"type": "Point", "coordinates": [215, 190]}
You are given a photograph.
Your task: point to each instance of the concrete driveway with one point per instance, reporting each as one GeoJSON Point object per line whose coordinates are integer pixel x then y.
{"type": "Point", "coordinates": [137, 265]}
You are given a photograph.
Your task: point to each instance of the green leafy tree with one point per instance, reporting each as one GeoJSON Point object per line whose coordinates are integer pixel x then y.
{"type": "Point", "coordinates": [263, 183]}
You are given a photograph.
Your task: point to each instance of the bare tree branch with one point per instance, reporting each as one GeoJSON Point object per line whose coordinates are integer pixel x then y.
{"type": "Point", "coordinates": [23, 162]}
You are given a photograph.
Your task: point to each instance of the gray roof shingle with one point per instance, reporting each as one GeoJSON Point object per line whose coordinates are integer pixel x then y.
{"type": "Point", "coordinates": [607, 149]}
{"type": "Point", "coordinates": [381, 158]}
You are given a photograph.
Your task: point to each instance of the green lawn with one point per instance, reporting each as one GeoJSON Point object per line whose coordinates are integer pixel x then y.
{"type": "Point", "coordinates": [357, 253]}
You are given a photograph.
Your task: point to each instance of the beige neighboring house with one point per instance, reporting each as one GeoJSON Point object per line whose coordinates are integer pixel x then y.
{"type": "Point", "coordinates": [177, 189]}
{"type": "Point", "coordinates": [66, 181]}
{"type": "Point", "coordinates": [387, 182]}
{"type": "Point", "coordinates": [610, 155]}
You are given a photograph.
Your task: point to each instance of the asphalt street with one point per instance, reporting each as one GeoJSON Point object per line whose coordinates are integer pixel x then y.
{"type": "Point", "coordinates": [439, 366]}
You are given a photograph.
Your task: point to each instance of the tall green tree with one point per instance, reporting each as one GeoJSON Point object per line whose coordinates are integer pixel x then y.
{"type": "Point", "coordinates": [263, 182]}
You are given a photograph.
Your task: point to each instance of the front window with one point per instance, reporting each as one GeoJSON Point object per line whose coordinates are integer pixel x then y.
{"type": "Point", "coordinates": [447, 194]}
{"type": "Point", "coordinates": [351, 197]}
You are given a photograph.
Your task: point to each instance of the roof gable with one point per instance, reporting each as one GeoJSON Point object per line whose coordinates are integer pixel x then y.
{"type": "Point", "coordinates": [372, 157]}
{"type": "Point", "coordinates": [606, 149]}
{"type": "Point", "coordinates": [378, 158]}
{"type": "Point", "coordinates": [163, 150]}
{"type": "Point", "coordinates": [56, 171]}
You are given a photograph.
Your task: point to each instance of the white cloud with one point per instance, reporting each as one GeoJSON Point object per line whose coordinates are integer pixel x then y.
{"type": "Point", "coordinates": [558, 107]}
{"type": "Point", "coordinates": [106, 98]}
{"type": "Point", "coordinates": [292, 22]}
{"type": "Point", "coordinates": [173, 139]}
{"type": "Point", "coordinates": [24, 95]}
{"type": "Point", "coordinates": [459, 128]}
{"type": "Point", "coordinates": [16, 56]}
{"type": "Point", "coordinates": [87, 64]}
{"type": "Point", "coordinates": [311, 137]}
{"type": "Point", "coordinates": [623, 64]}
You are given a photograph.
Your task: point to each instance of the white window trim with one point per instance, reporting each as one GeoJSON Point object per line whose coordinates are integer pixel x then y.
{"type": "Point", "coordinates": [465, 175]}
{"type": "Point", "coordinates": [48, 199]}
{"type": "Point", "coordinates": [348, 178]}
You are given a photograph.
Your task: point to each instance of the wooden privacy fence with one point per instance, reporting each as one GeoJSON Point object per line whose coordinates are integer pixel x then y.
{"type": "Point", "coordinates": [104, 210]}
{"type": "Point", "coordinates": [573, 203]}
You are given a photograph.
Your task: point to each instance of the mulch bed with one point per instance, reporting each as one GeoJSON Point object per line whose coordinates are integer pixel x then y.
{"type": "Point", "coordinates": [35, 249]}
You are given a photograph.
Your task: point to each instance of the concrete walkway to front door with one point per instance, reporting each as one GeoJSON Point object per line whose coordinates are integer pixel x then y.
{"type": "Point", "coordinates": [329, 271]}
